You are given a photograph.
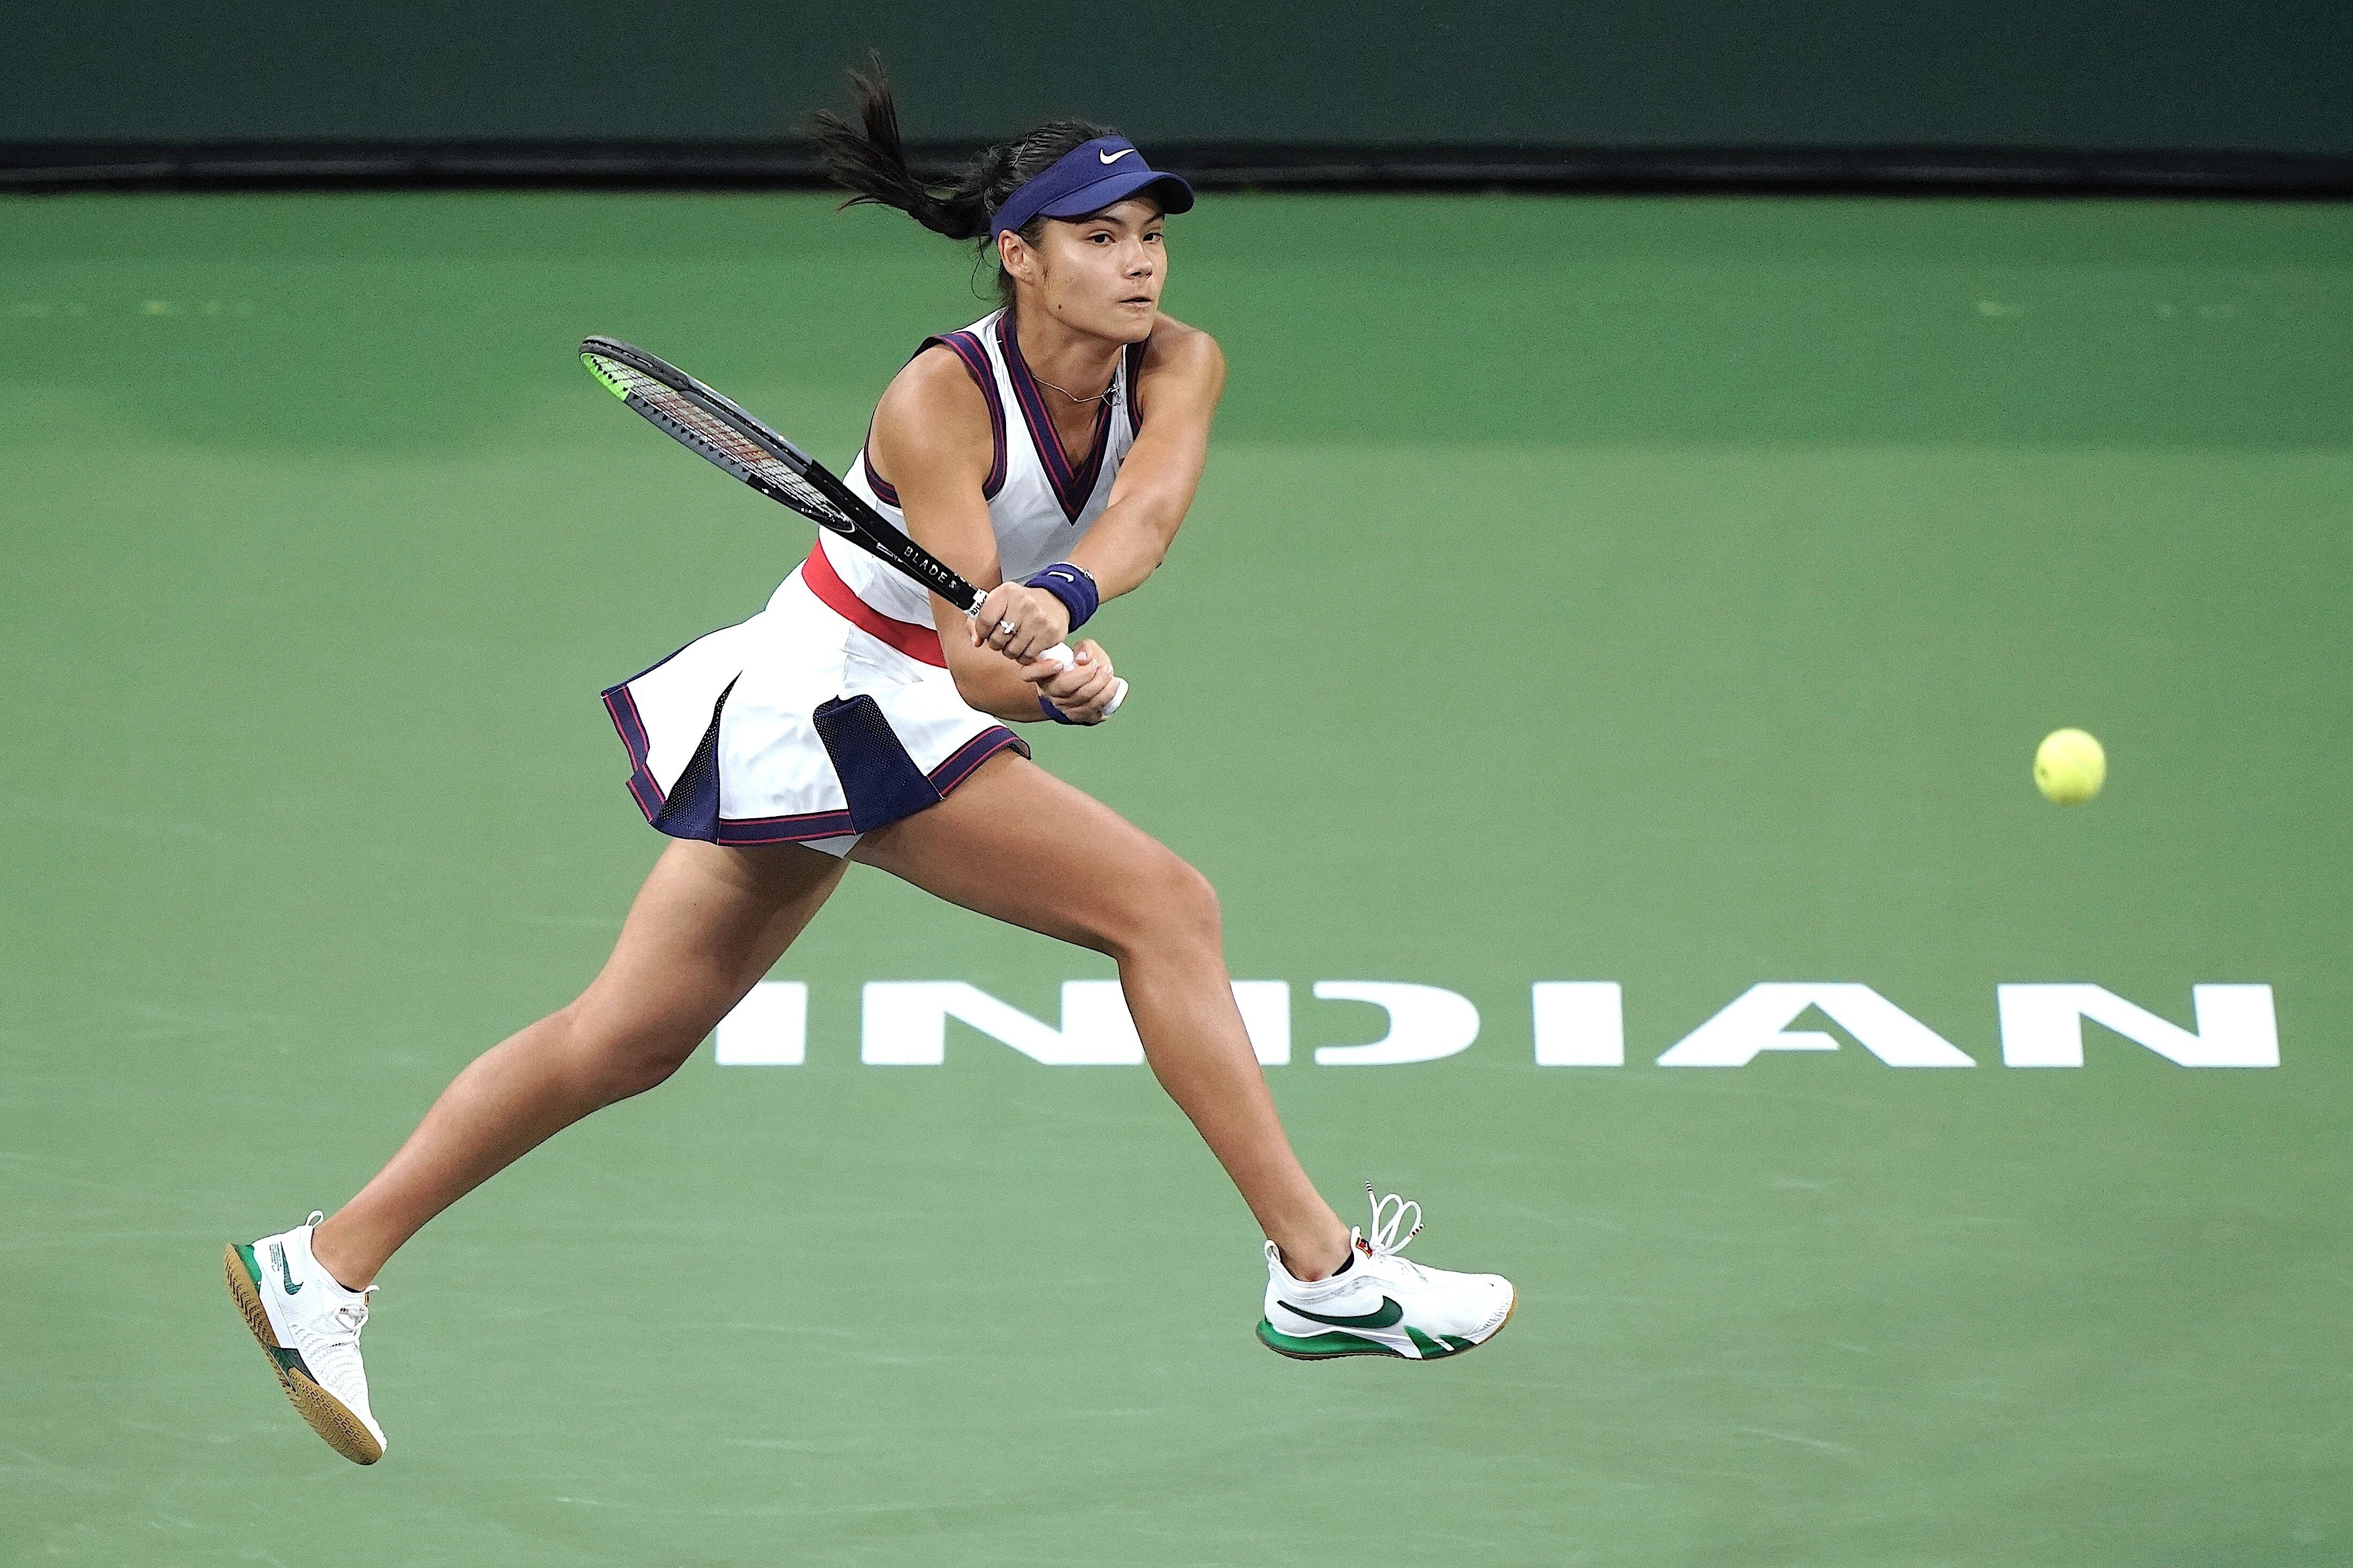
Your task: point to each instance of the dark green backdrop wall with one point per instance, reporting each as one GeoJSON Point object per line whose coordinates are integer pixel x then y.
{"type": "Point", "coordinates": [2264, 75]}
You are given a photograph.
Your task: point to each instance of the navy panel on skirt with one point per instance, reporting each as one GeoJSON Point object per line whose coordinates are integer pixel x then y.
{"type": "Point", "coordinates": [882, 781]}
{"type": "Point", "coordinates": [690, 810]}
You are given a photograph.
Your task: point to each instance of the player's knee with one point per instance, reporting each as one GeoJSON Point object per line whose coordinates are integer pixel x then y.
{"type": "Point", "coordinates": [620, 1057]}
{"type": "Point", "coordinates": [642, 1068]}
{"type": "Point", "coordinates": [1171, 904]}
{"type": "Point", "coordinates": [1194, 907]}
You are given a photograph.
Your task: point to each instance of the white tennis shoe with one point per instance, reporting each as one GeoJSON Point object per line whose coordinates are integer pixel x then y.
{"type": "Point", "coordinates": [310, 1326]}
{"type": "Point", "coordinates": [1381, 1304]}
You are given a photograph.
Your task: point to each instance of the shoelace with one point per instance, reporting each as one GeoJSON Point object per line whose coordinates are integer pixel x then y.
{"type": "Point", "coordinates": [1388, 1215]}
{"type": "Point", "coordinates": [334, 1354]}
{"type": "Point", "coordinates": [352, 1316]}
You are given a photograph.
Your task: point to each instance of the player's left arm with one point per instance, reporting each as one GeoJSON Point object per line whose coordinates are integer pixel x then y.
{"type": "Point", "coordinates": [1176, 393]}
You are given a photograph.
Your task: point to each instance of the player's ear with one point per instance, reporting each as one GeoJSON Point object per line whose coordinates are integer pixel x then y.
{"type": "Point", "coordinates": [1015, 256]}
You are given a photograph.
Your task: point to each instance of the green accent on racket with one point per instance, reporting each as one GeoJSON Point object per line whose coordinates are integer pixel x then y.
{"type": "Point", "coordinates": [612, 384]}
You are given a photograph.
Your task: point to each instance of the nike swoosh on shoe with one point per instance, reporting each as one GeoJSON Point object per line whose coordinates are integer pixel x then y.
{"type": "Point", "coordinates": [1382, 1317]}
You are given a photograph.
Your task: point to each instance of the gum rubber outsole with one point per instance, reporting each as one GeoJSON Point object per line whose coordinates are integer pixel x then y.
{"type": "Point", "coordinates": [1397, 1355]}
{"type": "Point", "coordinates": [327, 1416]}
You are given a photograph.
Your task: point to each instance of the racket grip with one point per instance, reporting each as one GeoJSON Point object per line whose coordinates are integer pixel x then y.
{"type": "Point", "coordinates": [1061, 654]}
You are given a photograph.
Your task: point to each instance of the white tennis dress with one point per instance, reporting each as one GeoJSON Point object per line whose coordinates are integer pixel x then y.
{"type": "Point", "coordinates": [831, 712]}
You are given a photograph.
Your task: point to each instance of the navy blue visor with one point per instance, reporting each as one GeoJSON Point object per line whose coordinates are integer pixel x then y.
{"type": "Point", "coordinates": [1086, 179]}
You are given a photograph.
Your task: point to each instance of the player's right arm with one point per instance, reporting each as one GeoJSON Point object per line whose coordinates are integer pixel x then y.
{"type": "Point", "coordinates": [932, 442]}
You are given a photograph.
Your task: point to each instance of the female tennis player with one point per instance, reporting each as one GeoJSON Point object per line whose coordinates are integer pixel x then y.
{"type": "Point", "coordinates": [1049, 451]}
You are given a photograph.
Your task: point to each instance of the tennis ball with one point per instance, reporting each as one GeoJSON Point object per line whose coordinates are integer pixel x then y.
{"type": "Point", "coordinates": [2070, 767]}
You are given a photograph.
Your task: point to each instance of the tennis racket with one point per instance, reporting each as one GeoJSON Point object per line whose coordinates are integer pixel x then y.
{"type": "Point", "coordinates": [712, 426]}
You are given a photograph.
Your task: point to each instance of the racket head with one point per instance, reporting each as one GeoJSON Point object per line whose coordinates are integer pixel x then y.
{"type": "Point", "coordinates": [716, 429]}
{"type": "Point", "coordinates": [713, 428]}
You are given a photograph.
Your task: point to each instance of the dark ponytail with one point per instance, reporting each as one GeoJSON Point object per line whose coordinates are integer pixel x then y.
{"type": "Point", "coordinates": [870, 159]}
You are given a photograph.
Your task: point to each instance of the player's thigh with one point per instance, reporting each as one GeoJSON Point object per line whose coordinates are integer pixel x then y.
{"type": "Point", "coordinates": [703, 929]}
{"type": "Point", "coordinates": [1016, 843]}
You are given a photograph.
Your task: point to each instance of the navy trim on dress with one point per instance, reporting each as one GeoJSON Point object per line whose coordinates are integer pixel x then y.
{"type": "Point", "coordinates": [1135, 368]}
{"type": "Point", "coordinates": [884, 491]}
{"type": "Point", "coordinates": [623, 709]}
{"type": "Point", "coordinates": [972, 753]}
{"type": "Point", "coordinates": [1073, 484]}
{"type": "Point", "coordinates": [969, 349]}
{"type": "Point", "coordinates": [784, 829]}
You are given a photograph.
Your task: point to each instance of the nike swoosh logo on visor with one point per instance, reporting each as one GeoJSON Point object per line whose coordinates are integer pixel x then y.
{"type": "Point", "coordinates": [1115, 157]}
{"type": "Point", "coordinates": [1387, 1313]}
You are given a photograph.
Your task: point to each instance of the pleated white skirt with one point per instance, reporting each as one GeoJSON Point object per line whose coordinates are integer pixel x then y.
{"type": "Point", "coordinates": [796, 726]}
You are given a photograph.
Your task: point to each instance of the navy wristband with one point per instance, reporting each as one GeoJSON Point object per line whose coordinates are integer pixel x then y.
{"type": "Point", "coordinates": [1045, 705]}
{"type": "Point", "coordinates": [1074, 586]}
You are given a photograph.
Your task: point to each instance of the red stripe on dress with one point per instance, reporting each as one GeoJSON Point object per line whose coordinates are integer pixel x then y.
{"type": "Point", "coordinates": [916, 642]}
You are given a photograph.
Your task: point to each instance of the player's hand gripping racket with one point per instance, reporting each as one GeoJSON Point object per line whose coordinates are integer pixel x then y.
{"type": "Point", "coordinates": [711, 425]}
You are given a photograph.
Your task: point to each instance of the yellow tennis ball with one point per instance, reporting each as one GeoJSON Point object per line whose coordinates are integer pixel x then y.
{"type": "Point", "coordinates": [2070, 767]}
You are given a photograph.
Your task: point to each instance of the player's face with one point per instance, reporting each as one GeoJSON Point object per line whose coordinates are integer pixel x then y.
{"type": "Point", "coordinates": [1103, 274]}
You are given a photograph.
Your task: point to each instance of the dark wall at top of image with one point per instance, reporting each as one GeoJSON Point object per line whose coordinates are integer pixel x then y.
{"type": "Point", "coordinates": [2258, 75]}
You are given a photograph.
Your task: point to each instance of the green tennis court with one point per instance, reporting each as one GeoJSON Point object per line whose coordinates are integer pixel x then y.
{"type": "Point", "coordinates": [1661, 592]}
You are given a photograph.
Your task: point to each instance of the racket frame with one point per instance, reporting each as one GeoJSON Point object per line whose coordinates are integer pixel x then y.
{"type": "Point", "coordinates": [864, 527]}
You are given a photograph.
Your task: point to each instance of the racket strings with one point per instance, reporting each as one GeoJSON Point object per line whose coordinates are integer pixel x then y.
{"type": "Point", "coordinates": [691, 423]}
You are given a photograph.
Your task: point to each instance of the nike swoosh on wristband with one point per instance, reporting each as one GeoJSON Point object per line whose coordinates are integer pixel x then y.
{"type": "Point", "coordinates": [277, 1256]}
{"type": "Point", "coordinates": [1389, 1312]}
{"type": "Point", "coordinates": [1115, 157]}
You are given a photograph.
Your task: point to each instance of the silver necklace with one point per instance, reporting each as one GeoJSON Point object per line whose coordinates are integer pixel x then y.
{"type": "Point", "coordinates": [1094, 397]}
